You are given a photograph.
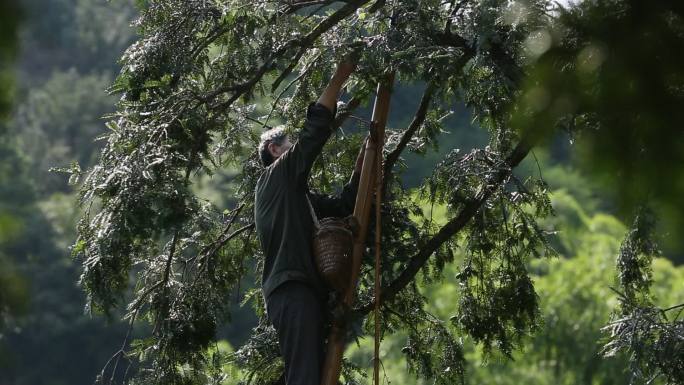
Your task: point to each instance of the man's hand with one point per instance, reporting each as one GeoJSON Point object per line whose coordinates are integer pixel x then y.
{"type": "Point", "coordinates": [347, 66]}
{"type": "Point", "coordinates": [344, 69]}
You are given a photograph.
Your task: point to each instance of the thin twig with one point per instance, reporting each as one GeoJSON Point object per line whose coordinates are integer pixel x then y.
{"type": "Point", "coordinates": [233, 217]}
{"type": "Point", "coordinates": [119, 353]}
{"type": "Point", "coordinates": [217, 246]}
{"type": "Point", "coordinates": [298, 78]}
{"type": "Point", "coordinates": [288, 70]}
{"type": "Point", "coordinates": [172, 250]}
{"type": "Point", "coordinates": [674, 307]}
{"type": "Point", "coordinates": [418, 120]}
{"type": "Point", "coordinates": [263, 124]}
{"type": "Point", "coordinates": [538, 166]}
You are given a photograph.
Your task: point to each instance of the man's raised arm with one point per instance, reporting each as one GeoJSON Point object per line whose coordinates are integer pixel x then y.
{"type": "Point", "coordinates": [329, 96]}
{"type": "Point", "coordinates": [318, 125]}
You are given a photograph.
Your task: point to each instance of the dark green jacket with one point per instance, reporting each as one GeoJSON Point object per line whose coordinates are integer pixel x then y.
{"type": "Point", "coordinates": [282, 215]}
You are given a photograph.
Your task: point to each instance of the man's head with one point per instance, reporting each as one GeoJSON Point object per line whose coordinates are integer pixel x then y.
{"type": "Point", "coordinates": [274, 143]}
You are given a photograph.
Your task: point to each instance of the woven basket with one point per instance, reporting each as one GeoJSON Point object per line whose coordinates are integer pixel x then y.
{"type": "Point", "coordinates": [332, 249]}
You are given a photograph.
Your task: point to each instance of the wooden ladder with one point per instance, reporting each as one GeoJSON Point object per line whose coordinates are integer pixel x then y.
{"type": "Point", "coordinates": [371, 171]}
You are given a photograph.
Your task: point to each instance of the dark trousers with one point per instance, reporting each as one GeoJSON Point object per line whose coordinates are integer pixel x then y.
{"type": "Point", "coordinates": [298, 316]}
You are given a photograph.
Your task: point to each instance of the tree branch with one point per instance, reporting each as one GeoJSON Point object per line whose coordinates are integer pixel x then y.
{"type": "Point", "coordinates": [498, 53]}
{"type": "Point", "coordinates": [226, 238]}
{"type": "Point", "coordinates": [456, 41]}
{"type": "Point", "coordinates": [417, 121]}
{"type": "Point", "coordinates": [211, 37]}
{"type": "Point", "coordinates": [167, 269]}
{"type": "Point", "coordinates": [297, 5]}
{"type": "Point", "coordinates": [673, 307]}
{"type": "Point", "coordinates": [302, 43]}
{"type": "Point", "coordinates": [287, 71]}
{"type": "Point", "coordinates": [452, 227]}
{"type": "Point", "coordinates": [233, 217]}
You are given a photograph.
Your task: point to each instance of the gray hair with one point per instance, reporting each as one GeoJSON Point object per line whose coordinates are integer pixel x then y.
{"type": "Point", "coordinates": [276, 136]}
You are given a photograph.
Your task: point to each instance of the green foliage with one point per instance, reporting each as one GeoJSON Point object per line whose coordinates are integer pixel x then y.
{"type": "Point", "coordinates": [609, 73]}
{"type": "Point", "coordinates": [589, 78]}
{"type": "Point", "coordinates": [636, 255]}
{"type": "Point", "coordinates": [260, 356]}
{"type": "Point", "coordinates": [39, 301]}
{"type": "Point", "coordinates": [649, 333]}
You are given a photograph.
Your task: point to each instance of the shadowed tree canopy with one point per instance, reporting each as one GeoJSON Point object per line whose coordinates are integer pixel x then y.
{"type": "Point", "coordinates": [610, 74]}
{"type": "Point", "coordinates": [8, 47]}
{"type": "Point", "coordinates": [12, 287]}
{"type": "Point", "coordinates": [194, 88]}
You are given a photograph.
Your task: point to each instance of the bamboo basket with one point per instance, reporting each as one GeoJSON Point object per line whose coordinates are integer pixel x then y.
{"type": "Point", "coordinates": [332, 249]}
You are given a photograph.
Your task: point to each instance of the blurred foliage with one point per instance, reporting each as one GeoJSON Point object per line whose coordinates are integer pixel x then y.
{"type": "Point", "coordinates": [610, 74]}
{"type": "Point", "coordinates": [59, 123]}
{"type": "Point", "coordinates": [43, 327]}
{"type": "Point", "coordinates": [9, 23]}
{"type": "Point", "coordinates": [12, 286]}
{"type": "Point", "coordinates": [55, 118]}
{"type": "Point", "coordinates": [13, 225]}
{"type": "Point", "coordinates": [83, 35]}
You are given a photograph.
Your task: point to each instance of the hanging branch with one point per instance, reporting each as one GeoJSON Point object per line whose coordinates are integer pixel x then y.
{"type": "Point", "coordinates": [418, 120]}
{"type": "Point", "coordinates": [452, 227]}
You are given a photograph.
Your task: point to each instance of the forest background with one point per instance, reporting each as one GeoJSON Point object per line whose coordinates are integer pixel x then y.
{"type": "Point", "coordinates": [66, 57]}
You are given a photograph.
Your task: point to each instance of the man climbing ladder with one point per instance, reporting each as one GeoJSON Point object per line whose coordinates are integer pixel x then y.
{"type": "Point", "coordinates": [294, 293]}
